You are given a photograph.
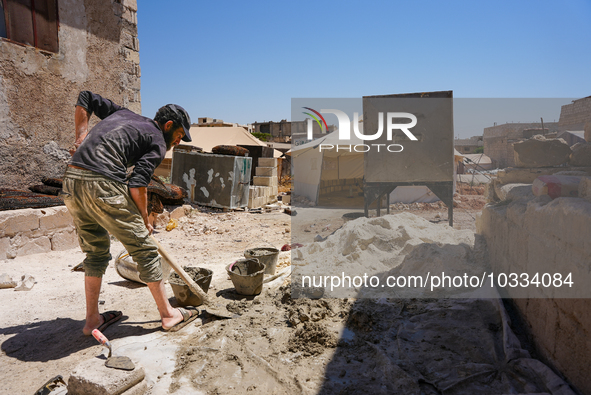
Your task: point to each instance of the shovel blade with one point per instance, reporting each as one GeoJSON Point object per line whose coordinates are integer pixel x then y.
{"type": "Point", "coordinates": [122, 363]}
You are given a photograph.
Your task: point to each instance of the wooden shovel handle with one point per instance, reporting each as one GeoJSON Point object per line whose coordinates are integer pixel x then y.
{"type": "Point", "coordinates": [183, 274]}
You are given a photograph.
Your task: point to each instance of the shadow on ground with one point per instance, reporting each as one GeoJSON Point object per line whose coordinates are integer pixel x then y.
{"type": "Point", "coordinates": [45, 341]}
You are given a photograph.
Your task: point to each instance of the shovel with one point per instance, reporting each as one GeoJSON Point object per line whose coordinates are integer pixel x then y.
{"type": "Point", "coordinates": [122, 363]}
{"type": "Point", "coordinates": [210, 307]}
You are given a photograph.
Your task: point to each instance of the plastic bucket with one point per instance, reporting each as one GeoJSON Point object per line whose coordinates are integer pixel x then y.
{"type": "Point", "coordinates": [266, 255]}
{"type": "Point", "coordinates": [127, 268]}
{"type": "Point", "coordinates": [247, 275]}
{"type": "Point", "coordinates": [183, 294]}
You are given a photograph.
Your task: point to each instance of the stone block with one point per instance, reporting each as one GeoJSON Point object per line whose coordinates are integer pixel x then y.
{"type": "Point", "coordinates": [93, 377]}
{"type": "Point", "coordinates": [128, 40]}
{"type": "Point", "coordinates": [556, 186]}
{"type": "Point", "coordinates": [512, 192]}
{"type": "Point", "coordinates": [581, 154]}
{"type": "Point", "coordinates": [177, 213]}
{"type": "Point", "coordinates": [132, 56]}
{"type": "Point", "coordinates": [162, 219]}
{"type": "Point", "coordinates": [541, 152]}
{"type": "Point", "coordinates": [7, 281]}
{"type": "Point", "coordinates": [286, 199]}
{"type": "Point", "coordinates": [130, 16]}
{"type": "Point", "coordinates": [24, 245]}
{"type": "Point", "coordinates": [264, 181]}
{"type": "Point", "coordinates": [64, 240]}
{"type": "Point", "coordinates": [267, 162]}
{"type": "Point", "coordinates": [266, 171]}
{"type": "Point", "coordinates": [131, 4]}
{"type": "Point", "coordinates": [55, 218]}
{"type": "Point", "coordinates": [13, 222]}
{"type": "Point", "coordinates": [138, 389]}
{"type": "Point", "coordinates": [4, 247]}
{"type": "Point", "coordinates": [585, 188]}
{"type": "Point", "coordinates": [275, 191]}
{"type": "Point", "coordinates": [515, 175]}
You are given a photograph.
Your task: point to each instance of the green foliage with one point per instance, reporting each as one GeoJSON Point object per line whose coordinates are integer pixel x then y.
{"type": "Point", "coordinates": [479, 150]}
{"type": "Point", "coordinates": [262, 136]}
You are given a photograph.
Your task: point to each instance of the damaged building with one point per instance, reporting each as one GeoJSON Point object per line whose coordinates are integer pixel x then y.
{"type": "Point", "coordinates": [50, 50]}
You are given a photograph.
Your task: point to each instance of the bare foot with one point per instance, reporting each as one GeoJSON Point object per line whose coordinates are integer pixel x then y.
{"type": "Point", "coordinates": [92, 324]}
{"type": "Point", "coordinates": [169, 322]}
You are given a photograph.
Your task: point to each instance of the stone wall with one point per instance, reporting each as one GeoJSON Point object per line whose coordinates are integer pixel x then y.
{"type": "Point", "coordinates": [33, 231]}
{"type": "Point", "coordinates": [542, 235]}
{"type": "Point", "coordinates": [98, 51]}
{"type": "Point", "coordinates": [499, 140]}
{"type": "Point", "coordinates": [574, 116]}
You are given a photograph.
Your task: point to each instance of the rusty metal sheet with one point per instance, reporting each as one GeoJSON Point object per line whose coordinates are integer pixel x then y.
{"type": "Point", "coordinates": [12, 199]}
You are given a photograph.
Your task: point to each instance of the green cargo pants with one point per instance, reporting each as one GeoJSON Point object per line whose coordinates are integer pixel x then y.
{"type": "Point", "coordinates": [100, 206]}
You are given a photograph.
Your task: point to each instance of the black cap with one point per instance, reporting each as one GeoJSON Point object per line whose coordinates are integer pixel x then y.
{"type": "Point", "coordinates": [183, 118]}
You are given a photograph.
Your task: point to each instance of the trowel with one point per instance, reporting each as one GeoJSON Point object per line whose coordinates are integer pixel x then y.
{"type": "Point", "coordinates": [122, 363]}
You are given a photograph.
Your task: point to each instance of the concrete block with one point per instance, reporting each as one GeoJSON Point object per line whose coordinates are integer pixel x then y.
{"type": "Point", "coordinates": [93, 377]}
{"type": "Point", "coordinates": [581, 154]}
{"type": "Point", "coordinates": [64, 240]}
{"type": "Point", "coordinates": [263, 181]}
{"type": "Point", "coordinates": [585, 188]}
{"type": "Point", "coordinates": [13, 222]}
{"type": "Point", "coordinates": [55, 218]}
{"type": "Point", "coordinates": [275, 191]}
{"type": "Point", "coordinates": [286, 199]}
{"type": "Point", "coordinates": [541, 152]}
{"type": "Point", "coordinates": [266, 171]}
{"type": "Point", "coordinates": [267, 162]}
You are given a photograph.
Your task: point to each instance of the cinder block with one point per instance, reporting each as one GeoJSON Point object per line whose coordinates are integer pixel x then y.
{"type": "Point", "coordinates": [266, 171]}
{"type": "Point", "coordinates": [93, 377]}
{"type": "Point", "coordinates": [263, 181]}
{"type": "Point", "coordinates": [286, 199]}
{"type": "Point", "coordinates": [267, 162]}
{"type": "Point", "coordinates": [55, 218]}
{"type": "Point", "coordinates": [13, 222]}
{"type": "Point", "coordinates": [64, 240]}
{"type": "Point", "coordinates": [251, 192]}
{"type": "Point", "coordinates": [275, 190]}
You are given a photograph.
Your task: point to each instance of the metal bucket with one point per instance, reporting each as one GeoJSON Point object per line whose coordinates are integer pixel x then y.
{"type": "Point", "coordinates": [127, 268]}
{"type": "Point", "coordinates": [247, 275]}
{"type": "Point", "coordinates": [183, 294]}
{"type": "Point", "coordinates": [266, 255]}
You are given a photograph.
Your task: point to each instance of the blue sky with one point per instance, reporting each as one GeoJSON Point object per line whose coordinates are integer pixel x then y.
{"type": "Point", "coordinates": [244, 61]}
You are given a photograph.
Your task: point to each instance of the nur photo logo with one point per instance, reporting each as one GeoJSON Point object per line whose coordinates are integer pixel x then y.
{"type": "Point", "coordinates": [392, 120]}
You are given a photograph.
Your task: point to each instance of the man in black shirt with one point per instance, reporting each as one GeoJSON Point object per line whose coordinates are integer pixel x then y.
{"type": "Point", "coordinates": [103, 200]}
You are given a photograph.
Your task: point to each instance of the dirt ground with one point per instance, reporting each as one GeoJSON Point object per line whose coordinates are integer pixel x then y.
{"type": "Point", "coordinates": [278, 345]}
